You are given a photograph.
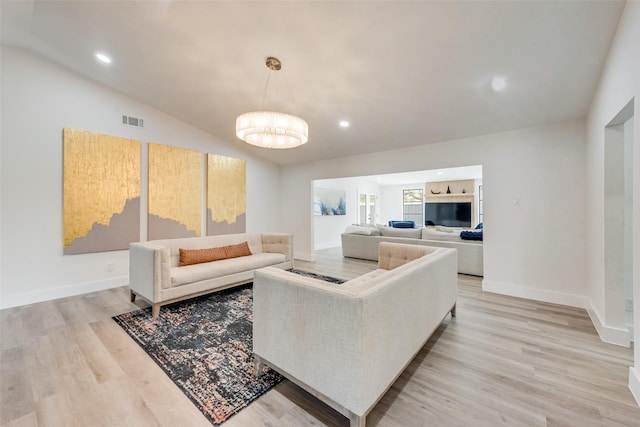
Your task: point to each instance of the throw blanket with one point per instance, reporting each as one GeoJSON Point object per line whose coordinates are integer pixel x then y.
{"type": "Point", "coordinates": [471, 235]}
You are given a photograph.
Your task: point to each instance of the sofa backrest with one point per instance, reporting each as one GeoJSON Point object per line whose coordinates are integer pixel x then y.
{"type": "Point", "coordinates": [392, 255]}
{"type": "Point", "coordinates": [253, 239]}
{"type": "Point", "coordinates": [414, 233]}
{"type": "Point", "coordinates": [281, 243]}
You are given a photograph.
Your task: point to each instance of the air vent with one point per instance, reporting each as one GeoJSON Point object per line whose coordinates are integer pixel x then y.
{"type": "Point", "coordinates": [132, 121]}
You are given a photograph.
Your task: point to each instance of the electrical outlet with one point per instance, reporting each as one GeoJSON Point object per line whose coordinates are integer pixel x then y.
{"type": "Point", "coordinates": [628, 306]}
{"type": "Point", "coordinates": [110, 266]}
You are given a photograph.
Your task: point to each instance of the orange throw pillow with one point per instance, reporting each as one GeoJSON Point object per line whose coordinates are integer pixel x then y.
{"type": "Point", "coordinates": [197, 256]}
{"type": "Point", "coordinates": [235, 251]}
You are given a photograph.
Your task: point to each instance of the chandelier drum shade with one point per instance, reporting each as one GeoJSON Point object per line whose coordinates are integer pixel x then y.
{"type": "Point", "coordinates": [270, 129]}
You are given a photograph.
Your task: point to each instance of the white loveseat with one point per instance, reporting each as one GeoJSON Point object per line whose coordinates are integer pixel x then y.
{"type": "Point", "coordinates": [347, 344]}
{"type": "Point", "coordinates": [362, 242]}
{"type": "Point", "coordinates": [155, 273]}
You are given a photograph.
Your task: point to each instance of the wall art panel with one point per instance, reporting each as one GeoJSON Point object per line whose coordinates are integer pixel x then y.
{"type": "Point", "coordinates": [226, 195]}
{"type": "Point", "coordinates": [101, 192]}
{"type": "Point", "coordinates": [328, 201]}
{"type": "Point", "coordinates": [175, 192]}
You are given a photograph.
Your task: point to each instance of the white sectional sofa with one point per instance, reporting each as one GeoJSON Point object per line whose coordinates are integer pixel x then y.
{"type": "Point", "coordinates": [155, 273]}
{"type": "Point", "coordinates": [347, 344]}
{"type": "Point", "coordinates": [362, 242]}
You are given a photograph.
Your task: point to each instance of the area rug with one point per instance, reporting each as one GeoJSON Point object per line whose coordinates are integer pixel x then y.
{"type": "Point", "coordinates": [205, 346]}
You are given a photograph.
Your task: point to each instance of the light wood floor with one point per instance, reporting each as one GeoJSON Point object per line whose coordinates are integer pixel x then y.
{"type": "Point", "coordinates": [501, 361]}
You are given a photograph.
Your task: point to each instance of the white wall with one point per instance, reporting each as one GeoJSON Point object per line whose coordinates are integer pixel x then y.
{"type": "Point", "coordinates": [619, 83]}
{"type": "Point", "coordinates": [328, 228]}
{"type": "Point", "coordinates": [39, 99]}
{"type": "Point", "coordinates": [535, 249]}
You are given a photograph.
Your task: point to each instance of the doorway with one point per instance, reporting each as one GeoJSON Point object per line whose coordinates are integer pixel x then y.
{"type": "Point", "coordinates": [368, 208]}
{"type": "Point", "coordinates": [618, 221]}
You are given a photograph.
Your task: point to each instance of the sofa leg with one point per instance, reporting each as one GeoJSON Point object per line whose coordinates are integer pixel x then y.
{"type": "Point", "coordinates": [155, 310]}
{"type": "Point", "coordinates": [453, 310]}
{"type": "Point", "coordinates": [357, 420]}
{"type": "Point", "coordinates": [133, 296]}
{"type": "Point", "coordinates": [258, 365]}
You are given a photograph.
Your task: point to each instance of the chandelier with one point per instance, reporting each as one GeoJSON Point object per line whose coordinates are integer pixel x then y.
{"type": "Point", "coordinates": [270, 129]}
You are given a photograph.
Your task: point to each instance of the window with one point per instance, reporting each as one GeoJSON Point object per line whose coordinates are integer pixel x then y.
{"type": "Point", "coordinates": [413, 206]}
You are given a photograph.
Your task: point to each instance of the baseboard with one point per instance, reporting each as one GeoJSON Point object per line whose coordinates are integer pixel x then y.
{"type": "Point", "coordinates": [544, 295]}
{"type": "Point", "coordinates": [16, 300]}
{"type": "Point", "coordinates": [303, 256]}
{"type": "Point", "coordinates": [634, 382]}
{"type": "Point", "coordinates": [608, 334]}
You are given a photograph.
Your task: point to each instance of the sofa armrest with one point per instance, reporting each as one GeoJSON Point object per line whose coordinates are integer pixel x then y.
{"type": "Point", "coordinates": [281, 243]}
{"type": "Point", "coordinates": [311, 330]}
{"type": "Point", "coordinates": [149, 270]}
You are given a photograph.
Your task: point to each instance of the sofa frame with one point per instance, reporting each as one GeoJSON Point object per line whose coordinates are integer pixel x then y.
{"type": "Point", "coordinates": [341, 342]}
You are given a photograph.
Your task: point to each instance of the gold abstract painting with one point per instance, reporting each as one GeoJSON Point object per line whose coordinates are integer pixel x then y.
{"type": "Point", "coordinates": [101, 194]}
{"type": "Point", "coordinates": [226, 195]}
{"type": "Point", "coordinates": [175, 192]}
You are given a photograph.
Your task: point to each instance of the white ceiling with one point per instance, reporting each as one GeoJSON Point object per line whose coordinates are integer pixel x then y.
{"type": "Point", "coordinates": [404, 73]}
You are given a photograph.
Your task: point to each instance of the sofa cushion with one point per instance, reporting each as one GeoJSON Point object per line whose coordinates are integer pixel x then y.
{"type": "Point", "coordinates": [211, 270]}
{"type": "Point", "coordinates": [364, 230]}
{"type": "Point", "coordinates": [414, 233]}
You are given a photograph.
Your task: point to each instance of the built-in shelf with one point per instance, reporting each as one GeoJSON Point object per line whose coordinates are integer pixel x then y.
{"type": "Point", "coordinates": [428, 196]}
{"type": "Point", "coordinates": [456, 194]}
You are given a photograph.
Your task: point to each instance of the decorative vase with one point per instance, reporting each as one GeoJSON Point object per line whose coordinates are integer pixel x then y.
{"type": "Point", "coordinates": [464, 191]}
{"type": "Point", "coordinates": [448, 190]}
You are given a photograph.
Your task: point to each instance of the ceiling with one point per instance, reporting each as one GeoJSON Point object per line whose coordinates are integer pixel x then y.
{"type": "Point", "coordinates": [403, 73]}
{"type": "Point", "coordinates": [415, 177]}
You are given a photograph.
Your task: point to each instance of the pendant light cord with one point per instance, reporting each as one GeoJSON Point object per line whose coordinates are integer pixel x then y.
{"type": "Point", "coordinates": [266, 89]}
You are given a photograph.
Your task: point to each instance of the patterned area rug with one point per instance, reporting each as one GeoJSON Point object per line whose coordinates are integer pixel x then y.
{"type": "Point", "coordinates": [320, 276]}
{"type": "Point", "coordinates": [205, 346]}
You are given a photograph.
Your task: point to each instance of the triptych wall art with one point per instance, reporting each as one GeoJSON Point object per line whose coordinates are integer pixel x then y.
{"type": "Point", "coordinates": [102, 176]}
{"type": "Point", "coordinates": [101, 194]}
{"type": "Point", "coordinates": [175, 192]}
{"type": "Point", "coordinates": [226, 195]}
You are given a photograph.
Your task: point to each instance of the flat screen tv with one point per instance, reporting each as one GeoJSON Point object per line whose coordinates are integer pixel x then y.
{"type": "Point", "coordinates": [449, 214]}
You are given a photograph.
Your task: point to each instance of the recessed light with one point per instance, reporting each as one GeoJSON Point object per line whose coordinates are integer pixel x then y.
{"type": "Point", "coordinates": [498, 84]}
{"type": "Point", "coordinates": [440, 172]}
{"type": "Point", "coordinates": [103, 58]}
{"type": "Point", "coordinates": [344, 124]}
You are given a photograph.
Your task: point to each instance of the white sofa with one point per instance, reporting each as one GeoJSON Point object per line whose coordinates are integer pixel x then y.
{"type": "Point", "coordinates": [347, 344]}
{"type": "Point", "coordinates": [365, 246]}
{"type": "Point", "coordinates": [155, 274]}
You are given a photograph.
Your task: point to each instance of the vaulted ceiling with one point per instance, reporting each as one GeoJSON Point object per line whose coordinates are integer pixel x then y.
{"type": "Point", "coordinates": [403, 73]}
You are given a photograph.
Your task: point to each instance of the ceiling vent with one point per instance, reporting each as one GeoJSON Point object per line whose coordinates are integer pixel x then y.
{"type": "Point", "coordinates": [132, 121]}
